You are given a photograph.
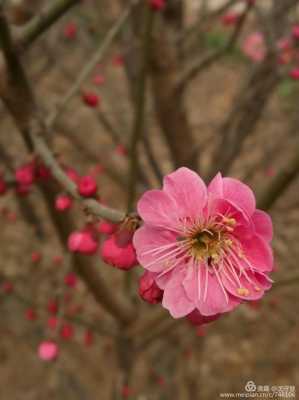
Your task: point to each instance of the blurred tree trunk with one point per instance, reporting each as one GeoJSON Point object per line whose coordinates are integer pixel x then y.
{"type": "Point", "coordinates": [166, 65]}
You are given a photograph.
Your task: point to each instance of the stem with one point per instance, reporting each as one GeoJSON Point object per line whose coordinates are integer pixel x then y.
{"type": "Point", "coordinates": [140, 107]}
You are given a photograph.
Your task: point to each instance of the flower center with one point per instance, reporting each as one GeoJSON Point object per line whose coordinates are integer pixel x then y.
{"type": "Point", "coordinates": [206, 245]}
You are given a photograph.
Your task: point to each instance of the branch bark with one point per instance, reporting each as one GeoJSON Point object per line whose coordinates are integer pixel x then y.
{"type": "Point", "coordinates": [20, 101]}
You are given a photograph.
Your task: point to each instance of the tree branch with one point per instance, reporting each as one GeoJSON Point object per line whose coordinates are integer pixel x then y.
{"type": "Point", "coordinates": [206, 61]}
{"type": "Point", "coordinates": [95, 59]}
{"type": "Point", "coordinates": [139, 107]}
{"type": "Point", "coordinates": [40, 23]}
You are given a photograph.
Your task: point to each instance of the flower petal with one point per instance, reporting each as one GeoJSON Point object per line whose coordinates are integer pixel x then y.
{"type": "Point", "coordinates": [175, 299]}
{"type": "Point", "coordinates": [158, 209]}
{"type": "Point", "coordinates": [252, 285]}
{"type": "Point", "coordinates": [258, 252]}
{"type": "Point", "coordinates": [234, 191]}
{"type": "Point", "coordinates": [188, 190]}
{"type": "Point", "coordinates": [263, 225]}
{"type": "Point", "coordinates": [152, 245]}
{"type": "Point", "coordinates": [211, 301]}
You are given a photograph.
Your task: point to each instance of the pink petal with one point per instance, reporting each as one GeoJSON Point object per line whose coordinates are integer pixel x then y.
{"type": "Point", "coordinates": [148, 238]}
{"type": "Point", "coordinates": [263, 225]}
{"type": "Point", "coordinates": [252, 289]}
{"type": "Point", "coordinates": [258, 252]}
{"type": "Point", "coordinates": [234, 191]}
{"type": "Point", "coordinates": [215, 187]}
{"type": "Point", "coordinates": [215, 301]}
{"type": "Point", "coordinates": [158, 209]}
{"type": "Point", "coordinates": [175, 299]}
{"type": "Point", "coordinates": [188, 190]}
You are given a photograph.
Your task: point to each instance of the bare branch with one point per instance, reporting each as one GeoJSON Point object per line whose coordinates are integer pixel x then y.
{"type": "Point", "coordinates": [198, 65]}
{"type": "Point", "coordinates": [40, 23]}
{"type": "Point", "coordinates": [139, 107]}
{"type": "Point", "coordinates": [95, 59]}
{"type": "Point", "coordinates": [280, 182]}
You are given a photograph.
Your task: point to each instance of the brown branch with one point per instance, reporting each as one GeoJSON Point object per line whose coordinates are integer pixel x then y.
{"type": "Point", "coordinates": [95, 59]}
{"type": "Point", "coordinates": [279, 183]}
{"type": "Point", "coordinates": [16, 97]}
{"type": "Point", "coordinates": [40, 23]}
{"type": "Point", "coordinates": [198, 65]}
{"type": "Point", "coordinates": [170, 109]}
{"type": "Point", "coordinates": [140, 102]}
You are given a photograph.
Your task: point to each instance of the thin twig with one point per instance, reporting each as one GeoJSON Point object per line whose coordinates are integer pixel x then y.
{"type": "Point", "coordinates": [206, 61]}
{"type": "Point", "coordinates": [95, 59]}
{"type": "Point", "coordinates": [279, 183]}
{"type": "Point", "coordinates": [41, 22]}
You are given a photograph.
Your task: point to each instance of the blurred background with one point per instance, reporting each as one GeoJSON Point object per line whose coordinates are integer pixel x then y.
{"type": "Point", "coordinates": [221, 94]}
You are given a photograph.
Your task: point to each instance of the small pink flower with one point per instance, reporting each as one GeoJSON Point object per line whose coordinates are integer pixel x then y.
{"type": "Point", "coordinates": [70, 30]}
{"type": "Point", "coordinates": [230, 19]}
{"type": "Point", "coordinates": [71, 279]}
{"type": "Point", "coordinates": [99, 80]}
{"type": "Point", "coordinates": [88, 338]}
{"type": "Point", "coordinates": [31, 314]}
{"type": "Point", "coordinates": [7, 287]}
{"type": "Point", "coordinates": [148, 289]}
{"type": "Point", "coordinates": [3, 187]}
{"type": "Point", "coordinates": [294, 74]}
{"type": "Point", "coordinates": [286, 51]}
{"type": "Point", "coordinates": [52, 307]}
{"type": "Point", "coordinates": [254, 47]}
{"type": "Point", "coordinates": [63, 202]}
{"type": "Point", "coordinates": [25, 175]}
{"type": "Point", "coordinates": [118, 60]}
{"type": "Point", "coordinates": [121, 150]}
{"type": "Point", "coordinates": [118, 254]}
{"type": "Point", "coordinates": [91, 99]}
{"type": "Point", "coordinates": [82, 242]}
{"type": "Point", "coordinates": [107, 227]}
{"type": "Point", "coordinates": [67, 331]}
{"type": "Point", "coordinates": [72, 174]}
{"type": "Point", "coordinates": [48, 350]}
{"type": "Point", "coordinates": [87, 186]}
{"type": "Point", "coordinates": [57, 260]}
{"type": "Point", "coordinates": [157, 5]}
{"type": "Point", "coordinates": [295, 32]}
{"type": "Point", "coordinates": [52, 323]}
{"type": "Point", "coordinates": [36, 257]}
{"type": "Point", "coordinates": [208, 246]}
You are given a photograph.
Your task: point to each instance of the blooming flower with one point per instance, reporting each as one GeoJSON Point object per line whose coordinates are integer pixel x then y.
{"type": "Point", "coordinates": [208, 246]}
{"type": "Point", "coordinates": [48, 350]}
{"type": "Point", "coordinates": [294, 74]}
{"type": "Point", "coordinates": [254, 47]}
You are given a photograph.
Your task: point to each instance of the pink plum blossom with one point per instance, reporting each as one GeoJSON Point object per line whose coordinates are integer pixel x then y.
{"type": "Point", "coordinates": [82, 242]}
{"type": "Point", "coordinates": [63, 202]}
{"type": "Point", "coordinates": [209, 247]}
{"type": "Point", "coordinates": [118, 254]}
{"type": "Point", "coordinates": [148, 289]}
{"type": "Point", "coordinates": [87, 186]}
{"type": "Point", "coordinates": [48, 350]}
{"type": "Point", "coordinates": [254, 47]}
